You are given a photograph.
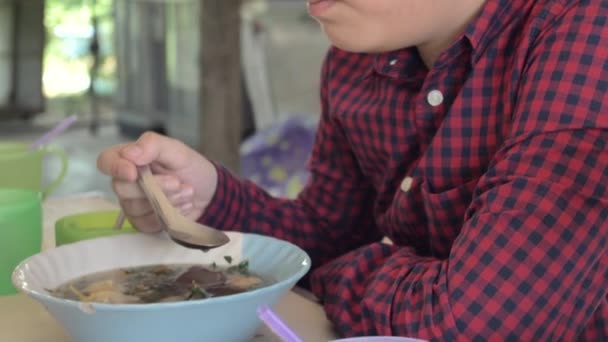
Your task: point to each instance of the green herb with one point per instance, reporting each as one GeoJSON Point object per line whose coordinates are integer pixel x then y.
{"type": "Point", "coordinates": [242, 267]}
{"type": "Point", "coordinates": [197, 292]}
{"type": "Point", "coordinates": [228, 259]}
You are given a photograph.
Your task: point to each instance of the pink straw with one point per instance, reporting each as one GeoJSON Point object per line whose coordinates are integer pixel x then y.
{"type": "Point", "coordinates": [53, 133]}
{"type": "Point", "coordinates": [277, 326]}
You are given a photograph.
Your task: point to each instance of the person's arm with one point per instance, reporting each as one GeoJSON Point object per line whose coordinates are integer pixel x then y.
{"type": "Point", "coordinates": [530, 261]}
{"type": "Point", "coordinates": [333, 213]}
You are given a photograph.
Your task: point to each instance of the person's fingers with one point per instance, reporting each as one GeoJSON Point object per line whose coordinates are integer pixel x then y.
{"type": "Point", "coordinates": [185, 208]}
{"type": "Point", "coordinates": [146, 224]}
{"type": "Point", "coordinates": [155, 148]}
{"type": "Point", "coordinates": [139, 210]}
{"type": "Point", "coordinates": [183, 196]}
{"type": "Point", "coordinates": [130, 190]}
{"type": "Point", "coordinates": [136, 208]}
{"type": "Point", "coordinates": [190, 211]}
{"type": "Point", "coordinates": [112, 164]}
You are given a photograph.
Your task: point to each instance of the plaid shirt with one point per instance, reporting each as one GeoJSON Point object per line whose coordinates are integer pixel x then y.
{"type": "Point", "coordinates": [488, 172]}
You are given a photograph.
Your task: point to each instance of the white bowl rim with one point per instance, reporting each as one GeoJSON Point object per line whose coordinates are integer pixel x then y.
{"type": "Point", "coordinates": [46, 297]}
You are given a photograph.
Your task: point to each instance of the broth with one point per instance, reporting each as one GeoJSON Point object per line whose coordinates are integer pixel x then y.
{"type": "Point", "coordinates": [160, 284]}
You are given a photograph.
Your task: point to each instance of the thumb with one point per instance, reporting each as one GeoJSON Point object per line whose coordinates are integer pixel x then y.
{"type": "Point", "coordinates": [152, 147]}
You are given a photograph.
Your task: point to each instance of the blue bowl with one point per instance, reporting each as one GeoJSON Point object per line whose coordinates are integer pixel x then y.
{"type": "Point", "coordinates": [230, 318]}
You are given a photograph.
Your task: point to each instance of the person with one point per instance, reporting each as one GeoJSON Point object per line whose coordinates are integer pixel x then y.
{"type": "Point", "coordinates": [473, 135]}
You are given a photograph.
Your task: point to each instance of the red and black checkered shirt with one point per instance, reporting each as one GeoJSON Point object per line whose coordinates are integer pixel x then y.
{"type": "Point", "coordinates": [488, 171]}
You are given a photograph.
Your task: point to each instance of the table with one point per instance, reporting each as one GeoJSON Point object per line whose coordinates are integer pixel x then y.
{"type": "Point", "coordinates": [24, 320]}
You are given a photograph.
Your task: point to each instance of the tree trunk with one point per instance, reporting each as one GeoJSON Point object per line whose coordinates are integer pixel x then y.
{"type": "Point", "coordinates": [220, 81]}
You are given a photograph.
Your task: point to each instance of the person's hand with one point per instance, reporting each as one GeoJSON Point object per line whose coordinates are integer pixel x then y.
{"type": "Point", "coordinates": [188, 179]}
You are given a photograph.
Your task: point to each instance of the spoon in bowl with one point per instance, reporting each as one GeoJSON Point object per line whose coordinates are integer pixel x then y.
{"type": "Point", "coordinates": [183, 231]}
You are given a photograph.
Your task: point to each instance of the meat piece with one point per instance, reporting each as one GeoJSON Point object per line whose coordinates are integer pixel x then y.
{"type": "Point", "coordinates": [244, 283]}
{"type": "Point", "coordinates": [202, 277]}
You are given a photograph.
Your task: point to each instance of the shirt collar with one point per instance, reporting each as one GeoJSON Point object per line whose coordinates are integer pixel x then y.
{"type": "Point", "coordinates": [404, 65]}
{"type": "Point", "coordinates": [493, 19]}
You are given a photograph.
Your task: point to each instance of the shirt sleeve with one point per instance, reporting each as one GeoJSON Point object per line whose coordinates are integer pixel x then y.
{"type": "Point", "coordinates": [331, 215]}
{"type": "Point", "coordinates": [530, 260]}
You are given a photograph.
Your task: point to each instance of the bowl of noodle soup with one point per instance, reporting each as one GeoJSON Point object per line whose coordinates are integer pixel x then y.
{"type": "Point", "coordinates": [141, 287]}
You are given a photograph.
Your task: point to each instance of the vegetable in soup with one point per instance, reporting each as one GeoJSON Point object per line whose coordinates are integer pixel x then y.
{"type": "Point", "coordinates": [160, 283]}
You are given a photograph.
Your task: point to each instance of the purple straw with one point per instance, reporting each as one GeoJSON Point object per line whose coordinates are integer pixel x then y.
{"type": "Point", "coordinates": [277, 326]}
{"type": "Point", "coordinates": [62, 126]}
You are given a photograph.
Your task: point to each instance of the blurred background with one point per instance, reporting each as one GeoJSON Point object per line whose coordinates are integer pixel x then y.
{"type": "Point", "coordinates": [237, 80]}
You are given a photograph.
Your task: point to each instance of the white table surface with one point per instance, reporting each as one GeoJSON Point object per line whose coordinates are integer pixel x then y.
{"type": "Point", "coordinates": [24, 320]}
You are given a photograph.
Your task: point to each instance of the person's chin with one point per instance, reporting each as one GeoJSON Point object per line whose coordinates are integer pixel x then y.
{"type": "Point", "coordinates": [356, 46]}
{"type": "Point", "coordinates": [343, 42]}
{"type": "Point", "coordinates": [362, 45]}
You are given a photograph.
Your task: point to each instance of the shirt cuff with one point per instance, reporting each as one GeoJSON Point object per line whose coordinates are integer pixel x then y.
{"type": "Point", "coordinates": [225, 211]}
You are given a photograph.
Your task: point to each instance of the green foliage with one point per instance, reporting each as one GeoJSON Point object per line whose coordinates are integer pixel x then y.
{"type": "Point", "coordinates": [68, 58]}
{"type": "Point", "coordinates": [75, 11]}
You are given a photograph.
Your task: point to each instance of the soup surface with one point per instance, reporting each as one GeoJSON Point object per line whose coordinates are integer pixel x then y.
{"type": "Point", "coordinates": [160, 283]}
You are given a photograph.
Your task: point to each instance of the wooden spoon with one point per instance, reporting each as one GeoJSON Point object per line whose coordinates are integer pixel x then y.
{"type": "Point", "coordinates": [183, 231]}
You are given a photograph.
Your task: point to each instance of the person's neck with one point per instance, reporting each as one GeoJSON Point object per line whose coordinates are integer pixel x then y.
{"type": "Point", "coordinates": [432, 49]}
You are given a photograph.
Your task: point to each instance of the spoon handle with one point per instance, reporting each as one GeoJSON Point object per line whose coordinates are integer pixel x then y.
{"type": "Point", "coordinates": [120, 220]}
{"type": "Point", "coordinates": [184, 231]}
{"type": "Point", "coordinates": [160, 203]}
{"type": "Point", "coordinates": [146, 184]}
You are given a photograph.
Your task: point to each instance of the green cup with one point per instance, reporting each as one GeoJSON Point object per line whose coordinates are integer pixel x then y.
{"type": "Point", "coordinates": [21, 168]}
{"type": "Point", "coordinates": [20, 231]}
{"type": "Point", "coordinates": [89, 225]}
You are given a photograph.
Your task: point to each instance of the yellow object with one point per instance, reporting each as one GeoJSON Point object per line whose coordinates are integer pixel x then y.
{"type": "Point", "coordinates": [278, 174]}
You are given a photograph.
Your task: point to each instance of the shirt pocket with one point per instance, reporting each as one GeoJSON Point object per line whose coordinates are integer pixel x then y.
{"type": "Point", "coordinates": [445, 211]}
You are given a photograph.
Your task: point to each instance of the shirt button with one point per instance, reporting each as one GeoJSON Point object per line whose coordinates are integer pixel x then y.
{"type": "Point", "coordinates": [406, 184]}
{"type": "Point", "coordinates": [434, 97]}
{"type": "Point", "coordinates": [393, 62]}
